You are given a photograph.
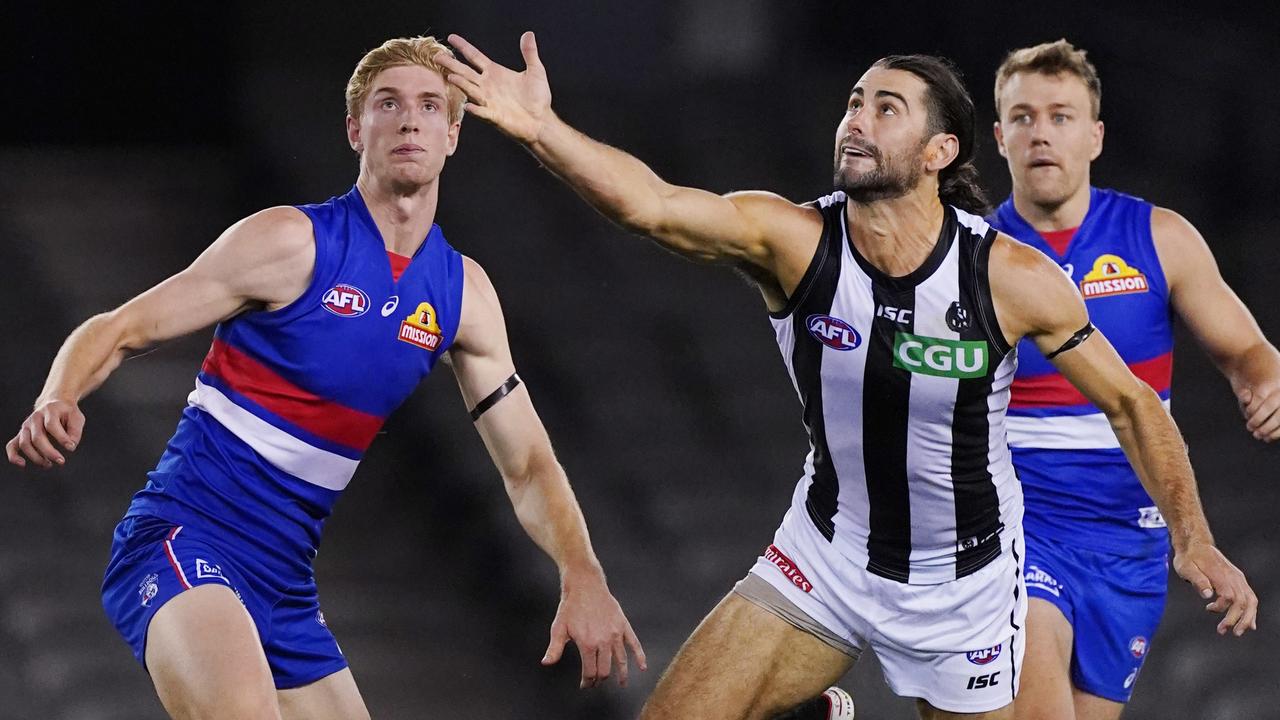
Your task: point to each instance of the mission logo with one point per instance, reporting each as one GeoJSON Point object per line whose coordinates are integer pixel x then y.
{"type": "Point", "coordinates": [1111, 275]}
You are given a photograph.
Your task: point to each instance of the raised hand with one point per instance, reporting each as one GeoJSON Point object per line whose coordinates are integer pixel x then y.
{"type": "Point", "coordinates": [517, 103]}
{"type": "Point", "coordinates": [590, 617]}
{"type": "Point", "coordinates": [57, 421]}
{"type": "Point", "coordinates": [1211, 573]}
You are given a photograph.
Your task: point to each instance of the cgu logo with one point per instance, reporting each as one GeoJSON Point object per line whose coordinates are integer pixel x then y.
{"type": "Point", "coordinates": [346, 301]}
{"type": "Point", "coordinates": [833, 332]}
{"type": "Point", "coordinates": [938, 357]}
{"type": "Point", "coordinates": [985, 656]}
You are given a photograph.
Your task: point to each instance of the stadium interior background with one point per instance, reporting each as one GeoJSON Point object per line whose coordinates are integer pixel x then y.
{"type": "Point", "coordinates": [135, 135]}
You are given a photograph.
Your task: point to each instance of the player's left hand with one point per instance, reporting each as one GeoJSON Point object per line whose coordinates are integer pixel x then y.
{"type": "Point", "coordinates": [1210, 572]}
{"type": "Point", "coordinates": [1260, 406]}
{"type": "Point", "coordinates": [593, 620]}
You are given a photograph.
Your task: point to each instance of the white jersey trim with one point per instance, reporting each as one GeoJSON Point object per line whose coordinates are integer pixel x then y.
{"type": "Point", "coordinates": [286, 452]}
{"type": "Point", "coordinates": [1063, 432]}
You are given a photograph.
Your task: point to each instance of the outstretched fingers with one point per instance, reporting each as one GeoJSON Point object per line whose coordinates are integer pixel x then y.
{"type": "Point", "coordinates": [470, 52]}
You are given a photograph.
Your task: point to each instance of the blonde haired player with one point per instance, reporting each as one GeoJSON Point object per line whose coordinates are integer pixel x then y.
{"type": "Point", "coordinates": [1095, 605]}
{"type": "Point", "coordinates": [328, 316]}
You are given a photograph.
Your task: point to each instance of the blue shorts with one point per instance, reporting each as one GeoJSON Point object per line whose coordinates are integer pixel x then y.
{"type": "Point", "coordinates": [152, 560]}
{"type": "Point", "coordinates": [1113, 603]}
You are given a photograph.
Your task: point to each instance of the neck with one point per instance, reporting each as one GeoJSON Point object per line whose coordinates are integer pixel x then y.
{"type": "Point", "coordinates": [896, 236]}
{"type": "Point", "coordinates": [1059, 216]}
{"type": "Point", "coordinates": [403, 214]}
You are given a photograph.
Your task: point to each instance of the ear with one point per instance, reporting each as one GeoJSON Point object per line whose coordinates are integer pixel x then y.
{"type": "Point", "coordinates": [452, 146]}
{"type": "Point", "coordinates": [998, 131]}
{"type": "Point", "coordinates": [353, 135]}
{"type": "Point", "coordinates": [942, 151]}
{"type": "Point", "coordinates": [1097, 141]}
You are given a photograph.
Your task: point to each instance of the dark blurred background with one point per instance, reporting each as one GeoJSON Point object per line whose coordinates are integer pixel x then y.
{"type": "Point", "coordinates": [133, 135]}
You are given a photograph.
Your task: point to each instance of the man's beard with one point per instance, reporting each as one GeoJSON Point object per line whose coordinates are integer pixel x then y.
{"type": "Point", "coordinates": [892, 177]}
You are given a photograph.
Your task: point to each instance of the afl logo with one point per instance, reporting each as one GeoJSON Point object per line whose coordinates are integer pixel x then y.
{"type": "Point", "coordinates": [1138, 647]}
{"type": "Point", "coordinates": [833, 332]}
{"type": "Point", "coordinates": [983, 657]}
{"type": "Point", "coordinates": [346, 301]}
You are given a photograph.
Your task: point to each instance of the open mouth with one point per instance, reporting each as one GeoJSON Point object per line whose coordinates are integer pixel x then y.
{"type": "Point", "coordinates": [1042, 162]}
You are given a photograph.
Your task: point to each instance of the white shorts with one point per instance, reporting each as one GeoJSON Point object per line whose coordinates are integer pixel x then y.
{"type": "Point", "coordinates": [958, 644]}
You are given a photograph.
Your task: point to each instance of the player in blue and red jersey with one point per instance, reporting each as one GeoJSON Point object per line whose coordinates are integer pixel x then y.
{"type": "Point", "coordinates": [1097, 547]}
{"type": "Point", "coordinates": [328, 316]}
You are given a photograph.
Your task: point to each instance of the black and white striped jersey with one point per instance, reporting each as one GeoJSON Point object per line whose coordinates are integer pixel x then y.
{"type": "Point", "coordinates": [904, 382]}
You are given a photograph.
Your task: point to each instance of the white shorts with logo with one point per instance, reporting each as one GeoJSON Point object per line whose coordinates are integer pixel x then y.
{"type": "Point", "coordinates": [957, 644]}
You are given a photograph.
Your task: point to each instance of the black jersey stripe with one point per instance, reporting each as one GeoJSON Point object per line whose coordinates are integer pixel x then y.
{"type": "Point", "coordinates": [886, 409]}
{"type": "Point", "coordinates": [977, 503]}
{"type": "Point", "coordinates": [806, 363]}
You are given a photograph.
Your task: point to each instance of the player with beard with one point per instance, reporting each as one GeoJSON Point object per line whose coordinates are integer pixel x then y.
{"type": "Point", "coordinates": [1093, 608]}
{"type": "Point", "coordinates": [896, 309]}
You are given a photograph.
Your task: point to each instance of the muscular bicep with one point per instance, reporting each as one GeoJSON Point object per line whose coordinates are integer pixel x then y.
{"type": "Point", "coordinates": [482, 364]}
{"type": "Point", "coordinates": [1199, 295]}
{"type": "Point", "coordinates": [264, 260]}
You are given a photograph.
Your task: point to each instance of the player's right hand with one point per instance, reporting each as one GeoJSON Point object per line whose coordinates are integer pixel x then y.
{"type": "Point", "coordinates": [517, 103]}
{"type": "Point", "coordinates": [53, 421]}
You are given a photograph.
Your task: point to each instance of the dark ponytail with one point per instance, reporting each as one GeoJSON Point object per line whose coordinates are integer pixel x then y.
{"type": "Point", "coordinates": [958, 186]}
{"type": "Point", "coordinates": [950, 111]}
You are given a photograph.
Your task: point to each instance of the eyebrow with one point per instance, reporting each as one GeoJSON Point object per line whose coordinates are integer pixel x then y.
{"type": "Point", "coordinates": [883, 93]}
{"type": "Point", "coordinates": [396, 91]}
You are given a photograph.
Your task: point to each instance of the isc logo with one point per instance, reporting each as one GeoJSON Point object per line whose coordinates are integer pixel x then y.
{"type": "Point", "coordinates": [345, 301]}
{"type": "Point", "coordinates": [978, 682]}
{"type": "Point", "coordinates": [833, 332]}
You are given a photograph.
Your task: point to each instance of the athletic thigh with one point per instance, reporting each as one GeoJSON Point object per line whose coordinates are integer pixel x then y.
{"type": "Point", "coordinates": [206, 660]}
{"type": "Point", "coordinates": [1092, 707]}
{"type": "Point", "coordinates": [1045, 692]}
{"type": "Point", "coordinates": [929, 712]}
{"type": "Point", "coordinates": [743, 663]}
{"type": "Point", "coordinates": [334, 697]}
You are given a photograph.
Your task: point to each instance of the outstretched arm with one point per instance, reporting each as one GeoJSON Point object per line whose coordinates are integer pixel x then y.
{"type": "Point", "coordinates": [1034, 298]}
{"type": "Point", "coordinates": [1222, 324]}
{"type": "Point", "coordinates": [741, 228]}
{"type": "Point", "coordinates": [539, 491]}
{"type": "Point", "coordinates": [265, 259]}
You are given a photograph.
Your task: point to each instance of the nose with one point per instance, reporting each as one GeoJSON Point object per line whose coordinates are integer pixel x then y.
{"type": "Point", "coordinates": [409, 121]}
{"type": "Point", "coordinates": [856, 122]}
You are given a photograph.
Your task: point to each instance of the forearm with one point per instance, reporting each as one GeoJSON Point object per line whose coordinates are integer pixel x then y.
{"type": "Point", "coordinates": [548, 511]}
{"type": "Point", "coordinates": [1257, 365]}
{"type": "Point", "coordinates": [85, 360]}
{"type": "Point", "coordinates": [618, 185]}
{"type": "Point", "coordinates": [1159, 456]}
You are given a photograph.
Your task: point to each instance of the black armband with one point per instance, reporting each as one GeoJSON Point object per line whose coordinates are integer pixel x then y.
{"type": "Point", "coordinates": [492, 399]}
{"type": "Point", "coordinates": [1081, 335]}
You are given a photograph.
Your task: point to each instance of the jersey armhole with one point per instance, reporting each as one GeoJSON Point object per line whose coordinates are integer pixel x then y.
{"type": "Point", "coordinates": [986, 306]}
{"type": "Point", "coordinates": [319, 275]}
{"type": "Point", "coordinates": [812, 272]}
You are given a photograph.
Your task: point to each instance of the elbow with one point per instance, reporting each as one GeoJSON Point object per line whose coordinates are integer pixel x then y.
{"type": "Point", "coordinates": [117, 330]}
{"type": "Point", "coordinates": [1139, 405]}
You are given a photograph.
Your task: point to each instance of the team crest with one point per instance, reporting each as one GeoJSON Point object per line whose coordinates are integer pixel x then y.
{"type": "Point", "coordinates": [148, 589]}
{"type": "Point", "coordinates": [345, 300]}
{"type": "Point", "coordinates": [422, 328]}
{"type": "Point", "coordinates": [1111, 275]}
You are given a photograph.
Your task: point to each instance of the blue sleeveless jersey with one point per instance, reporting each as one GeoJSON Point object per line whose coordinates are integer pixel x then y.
{"type": "Point", "coordinates": [287, 401]}
{"type": "Point", "coordinates": [1078, 485]}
